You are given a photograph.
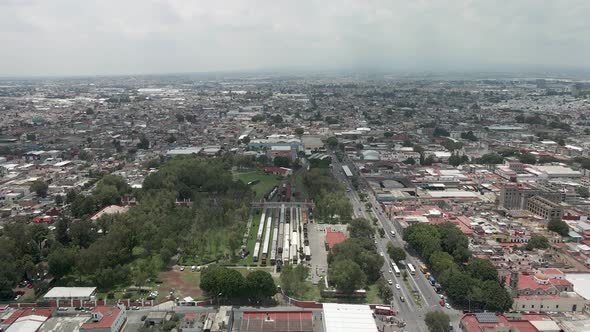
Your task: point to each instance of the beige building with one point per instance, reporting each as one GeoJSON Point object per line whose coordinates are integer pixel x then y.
{"type": "Point", "coordinates": [545, 292]}
{"type": "Point", "coordinates": [545, 208]}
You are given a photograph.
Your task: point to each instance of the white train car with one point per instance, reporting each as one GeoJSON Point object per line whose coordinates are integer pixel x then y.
{"type": "Point", "coordinates": [261, 226]}
{"type": "Point", "coordinates": [256, 252]}
{"type": "Point", "coordinates": [273, 248]}
{"type": "Point", "coordinates": [286, 243]}
{"type": "Point", "coordinates": [266, 242]}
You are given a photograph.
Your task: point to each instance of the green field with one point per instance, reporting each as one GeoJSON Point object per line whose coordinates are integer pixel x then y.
{"type": "Point", "coordinates": [267, 182]}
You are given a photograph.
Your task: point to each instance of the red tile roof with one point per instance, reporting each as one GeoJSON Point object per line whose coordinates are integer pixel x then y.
{"type": "Point", "coordinates": [279, 315]}
{"type": "Point", "coordinates": [109, 315]}
{"type": "Point", "coordinates": [561, 282]}
{"type": "Point", "coordinates": [27, 312]}
{"type": "Point", "coordinates": [333, 238]}
{"type": "Point", "coordinates": [553, 271]}
{"type": "Point", "coordinates": [528, 281]}
{"type": "Point", "coordinates": [473, 325]}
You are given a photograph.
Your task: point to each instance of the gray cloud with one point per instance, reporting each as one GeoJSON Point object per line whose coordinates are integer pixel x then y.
{"type": "Point", "coordinates": [73, 37]}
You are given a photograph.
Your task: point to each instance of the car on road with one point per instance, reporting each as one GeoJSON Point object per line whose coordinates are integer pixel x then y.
{"type": "Point", "coordinates": [381, 254]}
{"type": "Point", "coordinates": [392, 233]}
{"type": "Point", "coordinates": [447, 305]}
{"type": "Point", "coordinates": [397, 286]}
{"type": "Point", "coordinates": [389, 281]}
{"type": "Point", "coordinates": [403, 299]}
{"type": "Point", "coordinates": [390, 271]}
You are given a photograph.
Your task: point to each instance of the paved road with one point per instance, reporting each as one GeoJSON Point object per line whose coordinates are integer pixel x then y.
{"type": "Point", "coordinates": [412, 311]}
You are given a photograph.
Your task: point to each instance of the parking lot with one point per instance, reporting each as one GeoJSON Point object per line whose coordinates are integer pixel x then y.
{"type": "Point", "coordinates": [319, 255]}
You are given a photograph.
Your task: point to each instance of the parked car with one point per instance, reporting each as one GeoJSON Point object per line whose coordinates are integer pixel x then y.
{"type": "Point", "coordinates": [447, 305]}
{"type": "Point", "coordinates": [389, 281]}
{"type": "Point", "coordinates": [182, 268]}
{"type": "Point", "coordinates": [397, 286]}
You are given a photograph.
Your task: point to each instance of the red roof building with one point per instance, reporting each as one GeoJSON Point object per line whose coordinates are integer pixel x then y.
{"type": "Point", "coordinates": [26, 319]}
{"type": "Point", "coordinates": [490, 322]}
{"type": "Point", "coordinates": [105, 319]}
{"type": "Point", "coordinates": [256, 321]}
{"type": "Point", "coordinates": [333, 238]}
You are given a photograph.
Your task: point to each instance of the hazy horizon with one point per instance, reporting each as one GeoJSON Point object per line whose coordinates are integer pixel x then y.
{"type": "Point", "coordinates": [82, 38]}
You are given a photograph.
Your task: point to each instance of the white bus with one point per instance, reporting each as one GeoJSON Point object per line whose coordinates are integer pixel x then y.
{"type": "Point", "coordinates": [412, 269]}
{"type": "Point", "coordinates": [395, 269]}
{"type": "Point", "coordinates": [347, 171]}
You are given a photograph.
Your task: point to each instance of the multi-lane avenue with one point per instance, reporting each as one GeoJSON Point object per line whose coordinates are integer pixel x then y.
{"type": "Point", "coordinates": [415, 296]}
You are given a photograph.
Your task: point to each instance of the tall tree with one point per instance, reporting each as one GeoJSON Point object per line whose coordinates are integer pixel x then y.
{"type": "Point", "coordinates": [260, 285]}
{"type": "Point", "coordinates": [347, 276]}
{"type": "Point", "coordinates": [40, 188]}
{"type": "Point", "coordinates": [396, 254]}
{"type": "Point", "coordinates": [437, 321]}
{"type": "Point", "coordinates": [482, 269]}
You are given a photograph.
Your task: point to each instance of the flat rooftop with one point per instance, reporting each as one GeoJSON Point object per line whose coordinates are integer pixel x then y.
{"type": "Point", "coordinates": [348, 317]}
{"type": "Point", "coordinates": [69, 292]}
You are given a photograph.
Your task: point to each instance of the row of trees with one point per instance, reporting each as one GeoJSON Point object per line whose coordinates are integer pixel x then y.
{"type": "Point", "coordinates": [226, 283]}
{"type": "Point", "coordinates": [467, 281]}
{"type": "Point", "coordinates": [355, 263]}
{"type": "Point", "coordinates": [332, 203]}
{"type": "Point", "coordinates": [131, 248]}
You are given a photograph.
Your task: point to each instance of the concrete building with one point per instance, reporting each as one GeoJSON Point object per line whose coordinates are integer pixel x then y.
{"type": "Point", "coordinates": [545, 208]}
{"type": "Point", "coordinates": [65, 296]}
{"type": "Point", "coordinates": [515, 196]}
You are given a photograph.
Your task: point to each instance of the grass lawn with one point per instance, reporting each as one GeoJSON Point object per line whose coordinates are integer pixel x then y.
{"type": "Point", "coordinates": [267, 182]}
{"type": "Point", "coordinates": [373, 294]}
{"type": "Point", "coordinates": [311, 293]}
{"type": "Point", "coordinates": [193, 278]}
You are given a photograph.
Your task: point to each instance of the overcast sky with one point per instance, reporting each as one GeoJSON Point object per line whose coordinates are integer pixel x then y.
{"type": "Point", "coordinates": [84, 37]}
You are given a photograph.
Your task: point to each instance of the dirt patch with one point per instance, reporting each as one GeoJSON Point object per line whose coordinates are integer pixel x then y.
{"type": "Point", "coordinates": [182, 283]}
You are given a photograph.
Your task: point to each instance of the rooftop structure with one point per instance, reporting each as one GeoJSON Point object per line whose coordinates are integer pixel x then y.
{"type": "Point", "coordinates": [348, 317]}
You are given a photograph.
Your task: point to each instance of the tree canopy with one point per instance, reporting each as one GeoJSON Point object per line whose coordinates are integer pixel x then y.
{"type": "Point", "coordinates": [437, 321]}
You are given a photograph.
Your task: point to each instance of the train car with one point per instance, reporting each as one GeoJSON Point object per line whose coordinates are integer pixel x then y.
{"type": "Point", "coordinates": [281, 238]}
{"type": "Point", "coordinates": [294, 248]}
{"type": "Point", "coordinates": [286, 243]}
{"type": "Point", "coordinates": [261, 226]}
{"type": "Point", "coordinates": [271, 194]}
{"type": "Point", "coordinates": [266, 242]}
{"type": "Point", "coordinates": [273, 250]}
{"type": "Point", "coordinates": [256, 252]}
{"type": "Point", "coordinates": [288, 193]}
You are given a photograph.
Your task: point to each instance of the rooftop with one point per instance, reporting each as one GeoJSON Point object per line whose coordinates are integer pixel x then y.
{"type": "Point", "coordinates": [70, 292]}
{"type": "Point", "coordinates": [348, 317]}
{"type": "Point", "coordinates": [300, 321]}
{"type": "Point", "coordinates": [109, 316]}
